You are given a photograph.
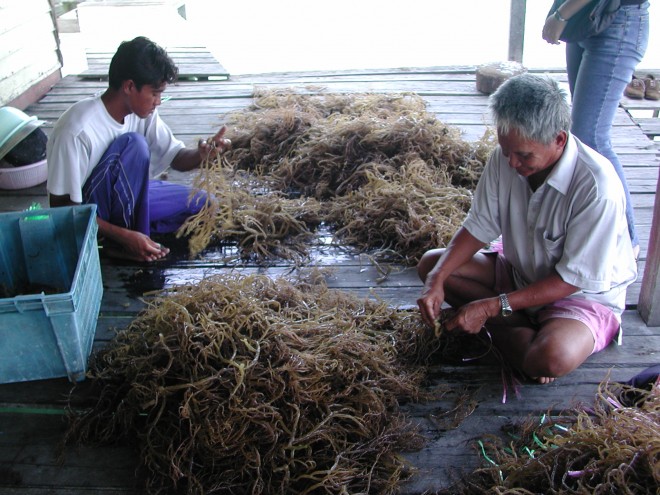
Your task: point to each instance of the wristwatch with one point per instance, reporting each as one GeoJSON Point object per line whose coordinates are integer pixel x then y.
{"type": "Point", "coordinates": [559, 17]}
{"type": "Point", "coordinates": [506, 307]}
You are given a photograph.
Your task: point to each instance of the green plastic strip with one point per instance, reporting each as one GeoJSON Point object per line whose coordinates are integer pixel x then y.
{"type": "Point", "coordinates": [34, 207]}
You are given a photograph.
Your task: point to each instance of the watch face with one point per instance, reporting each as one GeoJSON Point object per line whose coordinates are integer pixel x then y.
{"type": "Point", "coordinates": [506, 307]}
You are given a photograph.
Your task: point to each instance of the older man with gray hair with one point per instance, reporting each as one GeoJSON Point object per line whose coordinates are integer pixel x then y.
{"type": "Point", "coordinates": [551, 293]}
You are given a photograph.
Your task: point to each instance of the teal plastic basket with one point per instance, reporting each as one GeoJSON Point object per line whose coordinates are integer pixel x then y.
{"type": "Point", "coordinates": [50, 292]}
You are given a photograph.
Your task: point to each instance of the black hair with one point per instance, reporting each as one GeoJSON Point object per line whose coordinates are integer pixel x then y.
{"type": "Point", "coordinates": [142, 61]}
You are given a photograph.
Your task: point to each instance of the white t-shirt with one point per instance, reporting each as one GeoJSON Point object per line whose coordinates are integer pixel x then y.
{"type": "Point", "coordinates": [574, 223]}
{"type": "Point", "coordinates": [84, 132]}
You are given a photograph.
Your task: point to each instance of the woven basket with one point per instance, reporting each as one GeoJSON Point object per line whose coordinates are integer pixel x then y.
{"type": "Point", "coordinates": [24, 176]}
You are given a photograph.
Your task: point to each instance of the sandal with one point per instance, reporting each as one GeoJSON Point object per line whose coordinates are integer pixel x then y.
{"type": "Point", "coordinates": [635, 89]}
{"type": "Point", "coordinates": [651, 90]}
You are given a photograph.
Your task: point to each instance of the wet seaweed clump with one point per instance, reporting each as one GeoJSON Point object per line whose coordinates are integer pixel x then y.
{"type": "Point", "coordinates": [244, 384]}
{"type": "Point", "coordinates": [377, 168]}
{"type": "Point", "coordinates": [264, 223]}
{"type": "Point", "coordinates": [608, 448]}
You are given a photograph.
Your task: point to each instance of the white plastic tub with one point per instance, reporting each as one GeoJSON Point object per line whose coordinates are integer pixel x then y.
{"type": "Point", "coordinates": [24, 176]}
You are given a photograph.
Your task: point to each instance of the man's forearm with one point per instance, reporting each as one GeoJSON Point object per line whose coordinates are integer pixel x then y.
{"type": "Point", "coordinates": [113, 232]}
{"type": "Point", "coordinates": [132, 244]}
{"type": "Point", "coordinates": [190, 158]}
{"type": "Point", "coordinates": [187, 159]}
{"type": "Point", "coordinates": [460, 250]}
{"type": "Point", "coordinates": [541, 293]}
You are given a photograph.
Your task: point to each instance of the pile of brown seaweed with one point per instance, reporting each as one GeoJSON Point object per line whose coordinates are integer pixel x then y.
{"type": "Point", "coordinates": [613, 447]}
{"type": "Point", "coordinates": [245, 384]}
{"type": "Point", "coordinates": [378, 168]}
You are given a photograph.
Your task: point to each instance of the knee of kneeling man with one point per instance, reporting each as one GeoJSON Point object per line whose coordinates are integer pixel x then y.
{"type": "Point", "coordinates": [133, 142]}
{"type": "Point", "coordinates": [428, 261]}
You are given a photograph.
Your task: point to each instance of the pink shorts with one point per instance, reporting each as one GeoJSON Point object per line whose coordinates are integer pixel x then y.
{"type": "Point", "coordinates": [601, 320]}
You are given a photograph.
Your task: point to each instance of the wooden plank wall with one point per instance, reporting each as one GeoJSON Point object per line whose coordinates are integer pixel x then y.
{"type": "Point", "coordinates": [28, 46]}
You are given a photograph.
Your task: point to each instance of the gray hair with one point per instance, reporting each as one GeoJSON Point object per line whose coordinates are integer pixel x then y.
{"type": "Point", "coordinates": [534, 106]}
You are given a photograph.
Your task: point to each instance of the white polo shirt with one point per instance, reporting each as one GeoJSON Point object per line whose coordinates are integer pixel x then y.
{"type": "Point", "coordinates": [84, 132]}
{"type": "Point", "coordinates": [574, 223]}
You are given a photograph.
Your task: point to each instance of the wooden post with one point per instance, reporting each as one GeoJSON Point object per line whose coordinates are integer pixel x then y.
{"type": "Point", "coordinates": [56, 34]}
{"type": "Point", "coordinates": [517, 30]}
{"type": "Point", "coordinates": [649, 296]}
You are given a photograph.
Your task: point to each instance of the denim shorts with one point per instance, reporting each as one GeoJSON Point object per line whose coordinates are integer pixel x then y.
{"type": "Point", "coordinates": [601, 321]}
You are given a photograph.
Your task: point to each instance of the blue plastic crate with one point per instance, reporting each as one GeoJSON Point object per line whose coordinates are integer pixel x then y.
{"type": "Point", "coordinates": [50, 292]}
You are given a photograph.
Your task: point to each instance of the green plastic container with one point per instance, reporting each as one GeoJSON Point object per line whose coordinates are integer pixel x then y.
{"type": "Point", "coordinates": [15, 126]}
{"type": "Point", "coordinates": [50, 292]}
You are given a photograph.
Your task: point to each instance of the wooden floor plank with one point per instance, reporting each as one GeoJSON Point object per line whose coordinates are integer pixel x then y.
{"type": "Point", "coordinates": [192, 62]}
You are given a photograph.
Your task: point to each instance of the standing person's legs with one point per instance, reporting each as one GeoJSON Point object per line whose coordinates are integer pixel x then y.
{"type": "Point", "coordinates": [171, 204]}
{"type": "Point", "coordinates": [601, 67]}
{"type": "Point", "coordinates": [573, 60]}
{"type": "Point", "coordinates": [118, 185]}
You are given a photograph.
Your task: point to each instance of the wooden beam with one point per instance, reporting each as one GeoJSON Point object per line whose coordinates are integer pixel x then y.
{"type": "Point", "coordinates": [56, 33]}
{"type": "Point", "coordinates": [517, 30]}
{"type": "Point", "coordinates": [649, 296]}
{"type": "Point", "coordinates": [35, 92]}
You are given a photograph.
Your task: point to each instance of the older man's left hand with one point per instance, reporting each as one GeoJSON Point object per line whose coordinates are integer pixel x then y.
{"type": "Point", "coordinates": [472, 317]}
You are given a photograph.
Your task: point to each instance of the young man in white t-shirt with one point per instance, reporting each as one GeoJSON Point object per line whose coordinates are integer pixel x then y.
{"type": "Point", "coordinates": [104, 149]}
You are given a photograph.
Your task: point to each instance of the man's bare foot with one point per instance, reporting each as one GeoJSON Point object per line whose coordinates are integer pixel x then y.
{"type": "Point", "coordinates": [544, 379]}
{"type": "Point", "coordinates": [112, 252]}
